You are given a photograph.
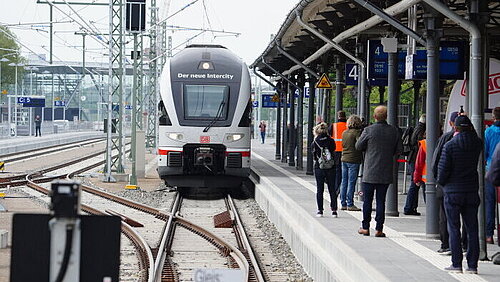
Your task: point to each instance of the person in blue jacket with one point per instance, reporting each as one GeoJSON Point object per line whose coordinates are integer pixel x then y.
{"type": "Point", "coordinates": [457, 174]}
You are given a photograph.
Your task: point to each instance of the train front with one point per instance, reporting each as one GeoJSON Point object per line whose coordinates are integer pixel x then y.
{"type": "Point", "coordinates": [205, 115]}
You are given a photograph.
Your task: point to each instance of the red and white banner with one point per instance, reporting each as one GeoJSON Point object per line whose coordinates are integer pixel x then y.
{"type": "Point", "coordinates": [457, 96]}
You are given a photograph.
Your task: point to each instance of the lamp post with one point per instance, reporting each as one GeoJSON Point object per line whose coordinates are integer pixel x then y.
{"type": "Point", "coordinates": [44, 77]}
{"type": "Point", "coordinates": [30, 119]}
{"type": "Point", "coordinates": [15, 94]}
{"type": "Point", "coordinates": [2, 60]}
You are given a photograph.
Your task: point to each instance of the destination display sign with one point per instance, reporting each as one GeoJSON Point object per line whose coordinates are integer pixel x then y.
{"type": "Point", "coordinates": [451, 66]}
{"type": "Point", "coordinates": [378, 61]}
{"type": "Point", "coordinates": [352, 75]}
{"type": "Point", "coordinates": [224, 76]}
{"type": "Point", "coordinates": [267, 101]}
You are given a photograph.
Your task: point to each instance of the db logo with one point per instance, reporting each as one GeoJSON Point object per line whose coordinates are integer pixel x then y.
{"type": "Point", "coordinates": [204, 139]}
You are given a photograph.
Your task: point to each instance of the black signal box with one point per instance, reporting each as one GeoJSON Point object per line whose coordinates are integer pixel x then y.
{"type": "Point", "coordinates": [135, 19]}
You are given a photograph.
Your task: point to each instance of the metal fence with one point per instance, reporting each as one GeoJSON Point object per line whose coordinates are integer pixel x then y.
{"type": "Point", "coordinates": [49, 127]}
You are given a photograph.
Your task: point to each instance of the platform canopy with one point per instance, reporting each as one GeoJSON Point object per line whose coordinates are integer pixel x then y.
{"type": "Point", "coordinates": [346, 23]}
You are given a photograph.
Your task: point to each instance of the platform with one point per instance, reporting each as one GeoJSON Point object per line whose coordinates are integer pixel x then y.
{"type": "Point", "coordinates": [330, 248]}
{"type": "Point", "coordinates": [26, 143]}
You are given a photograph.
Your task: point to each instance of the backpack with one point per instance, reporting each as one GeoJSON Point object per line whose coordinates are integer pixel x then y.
{"type": "Point", "coordinates": [406, 139]}
{"type": "Point", "coordinates": [325, 159]}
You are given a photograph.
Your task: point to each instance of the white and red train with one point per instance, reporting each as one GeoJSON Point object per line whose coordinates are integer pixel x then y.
{"type": "Point", "coordinates": [205, 117]}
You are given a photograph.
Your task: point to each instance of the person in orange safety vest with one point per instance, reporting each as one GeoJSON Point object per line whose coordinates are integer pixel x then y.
{"type": "Point", "coordinates": [420, 173]}
{"type": "Point", "coordinates": [336, 129]}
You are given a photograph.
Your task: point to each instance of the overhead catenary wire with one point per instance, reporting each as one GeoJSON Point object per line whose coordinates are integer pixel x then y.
{"type": "Point", "coordinates": [99, 39]}
{"type": "Point", "coordinates": [34, 23]}
{"type": "Point", "coordinates": [36, 54]}
{"type": "Point", "coordinates": [178, 11]}
{"type": "Point", "coordinates": [89, 24]}
{"type": "Point", "coordinates": [208, 18]}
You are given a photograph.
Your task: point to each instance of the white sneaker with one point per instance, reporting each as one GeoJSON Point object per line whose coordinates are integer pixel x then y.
{"type": "Point", "coordinates": [335, 214]}
{"type": "Point", "coordinates": [319, 214]}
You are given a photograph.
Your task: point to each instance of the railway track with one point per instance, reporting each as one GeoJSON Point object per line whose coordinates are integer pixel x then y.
{"type": "Point", "coordinates": [39, 182]}
{"type": "Point", "coordinates": [190, 242]}
{"type": "Point", "coordinates": [219, 247]}
{"type": "Point", "coordinates": [18, 156]}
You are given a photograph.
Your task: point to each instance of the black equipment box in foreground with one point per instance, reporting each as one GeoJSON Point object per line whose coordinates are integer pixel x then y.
{"type": "Point", "coordinates": [100, 248]}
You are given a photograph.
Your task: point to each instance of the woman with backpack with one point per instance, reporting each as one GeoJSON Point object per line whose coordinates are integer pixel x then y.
{"type": "Point", "coordinates": [323, 147]}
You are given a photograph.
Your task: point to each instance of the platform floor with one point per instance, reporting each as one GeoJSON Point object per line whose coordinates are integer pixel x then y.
{"type": "Point", "coordinates": [406, 254]}
{"type": "Point", "coordinates": [23, 143]}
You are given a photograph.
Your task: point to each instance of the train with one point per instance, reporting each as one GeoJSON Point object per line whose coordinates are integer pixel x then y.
{"type": "Point", "coordinates": [204, 119]}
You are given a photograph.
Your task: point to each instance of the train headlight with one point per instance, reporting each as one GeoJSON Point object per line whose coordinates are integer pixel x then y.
{"type": "Point", "coordinates": [206, 66]}
{"type": "Point", "coordinates": [234, 137]}
{"type": "Point", "coordinates": [176, 136]}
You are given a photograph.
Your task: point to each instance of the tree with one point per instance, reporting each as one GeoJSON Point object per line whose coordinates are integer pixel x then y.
{"type": "Point", "coordinates": [9, 49]}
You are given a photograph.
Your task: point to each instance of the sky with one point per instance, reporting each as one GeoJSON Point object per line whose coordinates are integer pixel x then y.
{"type": "Point", "coordinates": [256, 20]}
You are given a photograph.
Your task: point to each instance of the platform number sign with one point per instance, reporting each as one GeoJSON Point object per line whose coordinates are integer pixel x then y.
{"type": "Point", "coordinates": [306, 92]}
{"type": "Point", "coordinates": [352, 74]}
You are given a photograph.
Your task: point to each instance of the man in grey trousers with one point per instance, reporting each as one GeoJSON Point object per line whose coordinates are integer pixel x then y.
{"type": "Point", "coordinates": [380, 142]}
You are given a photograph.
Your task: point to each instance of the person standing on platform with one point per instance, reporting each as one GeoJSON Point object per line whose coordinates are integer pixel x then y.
{"type": "Point", "coordinates": [443, 223]}
{"type": "Point", "coordinates": [351, 160]}
{"type": "Point", "coordinates": [381, 142]}
{"type": "Point", "coordinates": [420, 172]}
{"type": "Point", "coordinates": [321, 143]}
{"type": "Point", "coordinates": [38, 125]}
{"type": "Point", "coordinates": [263, 127]}
{"type": "Point", "coordinates": [336, 129]}
{"type": "Point", "coordinates": [491, 139]}
{"type": "Point", "coordinates": [457, 174]}
{"type": "Point", "coordinates": [411, 204]}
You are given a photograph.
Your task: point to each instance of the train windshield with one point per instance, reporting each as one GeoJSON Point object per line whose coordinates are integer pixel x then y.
{"type": "Point", "coordinates": [206, 101]}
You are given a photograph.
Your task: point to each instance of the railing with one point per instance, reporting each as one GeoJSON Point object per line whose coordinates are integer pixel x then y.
{"type": "Point", "coordinates": [49, 127]}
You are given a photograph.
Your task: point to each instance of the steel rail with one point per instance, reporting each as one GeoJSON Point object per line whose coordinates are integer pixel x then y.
{"type": "Point", "coordinates": [145, 255]}
{"type": "Point", "coordinates": [69, 145]}
{"type": "Point", "coordinates": [168, 232]}
{"type": "Point", "coordinates": [246, 243]}
{"type": "Point", "coordinates": [225, 248]}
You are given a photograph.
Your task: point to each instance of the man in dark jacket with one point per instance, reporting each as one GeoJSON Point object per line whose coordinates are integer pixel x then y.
{"type": "Point", "coordinates": [381, 143]}
{"type": "Point", "coordinates": [38, 125]}
{"type": "Point", "coordinates": [443, 224]}
{"type": "Point", "coordinates": [457, 174]}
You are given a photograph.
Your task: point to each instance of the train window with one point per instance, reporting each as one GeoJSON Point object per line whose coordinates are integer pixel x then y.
{"type": "Point", "coordinates": [164, 119]}
{"type": "Point", "coordinates": [206, 101]}
{"type": "Point", "coordinates": [246, 119]}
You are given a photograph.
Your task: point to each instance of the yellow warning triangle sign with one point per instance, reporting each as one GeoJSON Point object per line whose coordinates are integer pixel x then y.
{"type": "Point", "coordinates": [324, 82]}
